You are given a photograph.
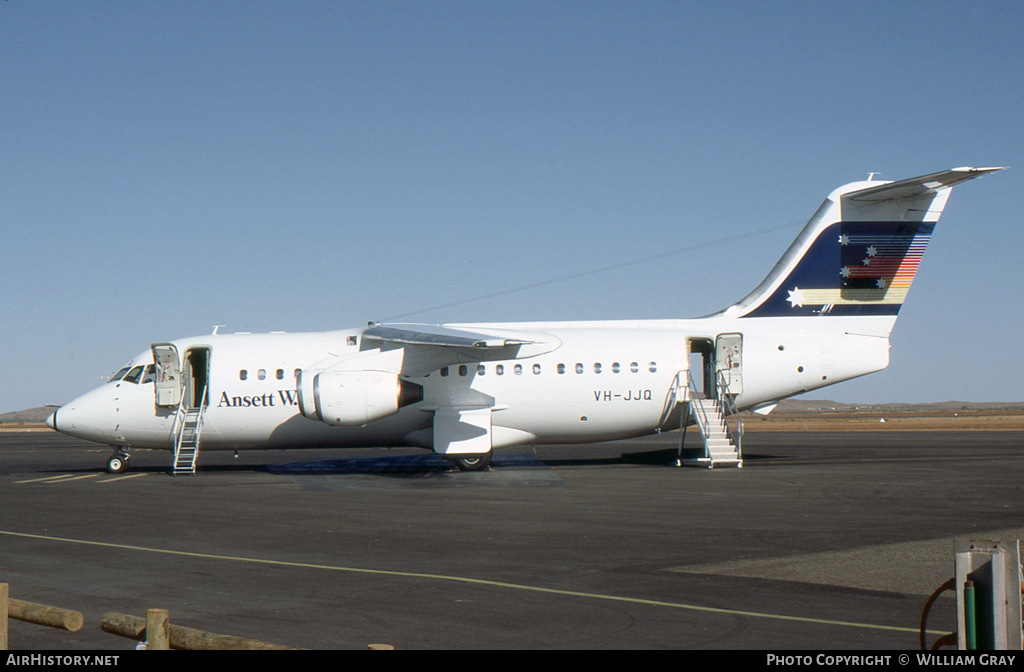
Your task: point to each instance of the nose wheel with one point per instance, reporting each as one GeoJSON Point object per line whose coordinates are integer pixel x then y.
{"type": "Point", "coordinates": [118, 463]}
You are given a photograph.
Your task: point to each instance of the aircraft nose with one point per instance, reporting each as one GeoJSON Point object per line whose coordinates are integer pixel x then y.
{"type": "Point", "coordinates": [91, 416]}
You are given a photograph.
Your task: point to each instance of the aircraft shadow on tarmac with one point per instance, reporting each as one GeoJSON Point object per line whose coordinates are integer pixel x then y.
{"type": "Point", "coordinates": [417, 470]}
{"type": "Point", "coordinates": [418, 465]}
{"type": "Point", "coordinates": [654, 458]}
{"type": "Point", "coordinates": [429, 470]}
{"type": "Point", "coordinates": [432, 462]}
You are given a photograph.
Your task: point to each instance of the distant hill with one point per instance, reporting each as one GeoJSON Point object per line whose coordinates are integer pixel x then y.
{"type": "Point", "coordinates": [38, 414]}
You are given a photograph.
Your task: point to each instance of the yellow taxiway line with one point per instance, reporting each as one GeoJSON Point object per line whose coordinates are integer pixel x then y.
{"type": "Point", "coordinates": [468, 580]}
{"type": "Point", "coordinates": [67, 478]}
{"type": "Point", "coordinates": [123, 478]}
{"type": "Point", "coordinates": [63, 478]}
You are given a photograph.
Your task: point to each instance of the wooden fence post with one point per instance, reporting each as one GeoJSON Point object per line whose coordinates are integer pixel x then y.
{"type": "Point", "coordinates": [157, 630]}
{"type": "Point", "coordinates": [4, 600]}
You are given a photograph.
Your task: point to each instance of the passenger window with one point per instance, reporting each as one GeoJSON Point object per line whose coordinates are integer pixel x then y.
{"type": "Point", "coordinates": [561, 368]}
{"type": "Point", "coordinates": [463, 370]}
{"type": "Point", "coordinates": [150, 375]}
{"type": "Point", "coordinates": [444, 372]}
{"type": "Point", "coordinates": [536, 369]}
{"type": "Point", "coordinates": [243, 374]}
{"type": "Point", "coordinates": [481, 369]}
{"type": "Point", "coordinates": [133, 375]}
{"type": "Point", "coordinates": [597, 367]}
{"type": "Point", "coordinates": [499, 369]}
{"type": "Point", "coordinates": [262, 374]}
{"type": "Point", "coordinates": [634, 367]}
{"type": "Point", "coordinates": [280, 374]}
{"type": "Point", "coordinates": [579, 368]}
{"type": "Point", "coordinates": [119, 375]}
{"type": "Point", "coordinates": [652, 367]}
{"type": "Point", "coordinates": [519, 369]}
{"type": "Point", "coordinates": [615, 367]}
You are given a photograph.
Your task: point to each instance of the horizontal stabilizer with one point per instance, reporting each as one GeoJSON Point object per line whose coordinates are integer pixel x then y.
{"type": "Point", "coordinates": [916, 187]}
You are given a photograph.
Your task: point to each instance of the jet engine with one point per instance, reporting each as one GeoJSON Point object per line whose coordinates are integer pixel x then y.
{"type": "Point", "coordinates": [357, 390]}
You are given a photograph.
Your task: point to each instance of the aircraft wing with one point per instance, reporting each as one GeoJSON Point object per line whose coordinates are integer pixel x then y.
{"type": "Point", "coordinates": [916, 187]}
{"type": "Point", "coordinates": [429, 334]}
{"type": "Point", "coordinates": [429, 347]}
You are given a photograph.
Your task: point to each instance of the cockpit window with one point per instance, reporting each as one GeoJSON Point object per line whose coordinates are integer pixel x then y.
{"type": "Point", "coordinates": [150, 375]}
{"type": "Point", "coordinates": [119, 375]}
{"type": "Point", "coordinates": [133, 375]}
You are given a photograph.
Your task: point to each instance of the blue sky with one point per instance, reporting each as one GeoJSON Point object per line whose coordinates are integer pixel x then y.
{"type": "Point", "coordinates": [170, 166]}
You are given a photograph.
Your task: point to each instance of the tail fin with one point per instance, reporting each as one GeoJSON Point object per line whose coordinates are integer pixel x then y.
{"type": "Point", "coordinates": [859, 252]}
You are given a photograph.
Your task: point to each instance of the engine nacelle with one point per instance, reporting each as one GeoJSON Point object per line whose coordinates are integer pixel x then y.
{"type": "Point", "coordinates": [355, 397]}
{"type": "Point", "coordinates": [347, 395]}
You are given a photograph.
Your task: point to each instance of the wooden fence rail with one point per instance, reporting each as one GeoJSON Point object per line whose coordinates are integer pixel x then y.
{"type": "Point", "coordinates": [30, 612]}
{"type": "Point", "coordinates": [163, 635]}
{"type": "Point", "coordinates": [155, 629]}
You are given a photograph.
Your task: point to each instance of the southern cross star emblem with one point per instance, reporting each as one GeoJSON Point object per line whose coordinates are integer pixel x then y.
{"type": "Point", "coordinates": [796, 298]}
{"type": "Point", "coordinates": [880, 257]}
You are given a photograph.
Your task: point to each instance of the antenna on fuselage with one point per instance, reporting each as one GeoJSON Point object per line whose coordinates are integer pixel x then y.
{"type": "Point", "coordinates": [216, 327]}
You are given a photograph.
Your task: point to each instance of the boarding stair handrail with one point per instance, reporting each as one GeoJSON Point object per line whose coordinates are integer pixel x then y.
{"type": "Point", "coordinates": [696, 409]}
{"type": "Point", "coordinates": [724, 404]}
{"type": "Point", "coordinates": [181, 421]}
{"type": "Point", "coordinates": [699, 413]}
{"type": "Point", "coordinates": [729, 408]}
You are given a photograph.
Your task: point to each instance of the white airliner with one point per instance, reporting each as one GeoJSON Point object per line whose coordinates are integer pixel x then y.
{"type": "Point", "coordinates": [823, 315]}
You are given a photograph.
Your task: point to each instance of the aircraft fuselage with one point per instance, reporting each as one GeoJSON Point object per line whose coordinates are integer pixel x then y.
{"type": "Point", "coordinates": [605, 380]}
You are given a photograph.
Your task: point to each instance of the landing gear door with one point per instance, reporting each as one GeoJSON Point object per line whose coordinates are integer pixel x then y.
{"type": "Point", "coordinates": [729, 363]}
{"type": "Point", "coordinates": [168, 374]}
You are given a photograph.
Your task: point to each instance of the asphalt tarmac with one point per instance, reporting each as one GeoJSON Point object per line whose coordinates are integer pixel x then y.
{"type": "Point", "coordinates": [822, 541]}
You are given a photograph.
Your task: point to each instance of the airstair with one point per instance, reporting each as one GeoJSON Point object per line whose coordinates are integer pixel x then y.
{"type": "Point", "coordinates": [186, 440]}
{"type": "Point", "coordinates": [722, 440]}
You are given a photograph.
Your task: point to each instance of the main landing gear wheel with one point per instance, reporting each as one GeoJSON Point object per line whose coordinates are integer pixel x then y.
{"type": "Point", "coordinates": [473, 462]}
{"type": "Point", "coordinates": [117, 464]}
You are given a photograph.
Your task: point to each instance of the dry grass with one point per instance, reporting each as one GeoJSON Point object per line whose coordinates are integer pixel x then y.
{"type": "Point", "coordinates": [859, 422]}
{"type": "Point", "coordinates": [24, 427]}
